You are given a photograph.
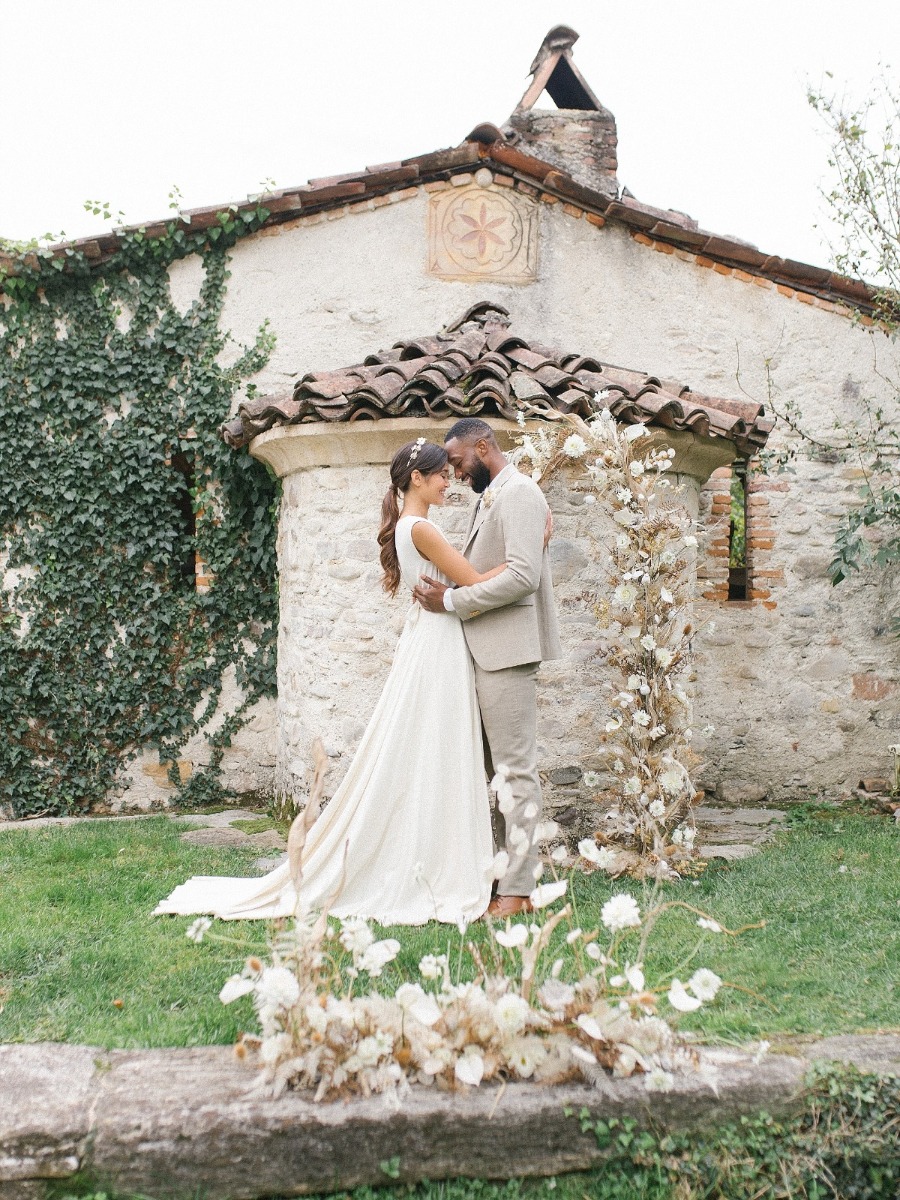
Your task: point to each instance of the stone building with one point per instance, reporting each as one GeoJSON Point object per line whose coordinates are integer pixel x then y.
{"type": "Point", "coordinates": [530, 270]}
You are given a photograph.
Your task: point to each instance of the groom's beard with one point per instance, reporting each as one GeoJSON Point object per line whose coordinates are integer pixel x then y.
{"type": "Point", "coordinates": [480, 478]}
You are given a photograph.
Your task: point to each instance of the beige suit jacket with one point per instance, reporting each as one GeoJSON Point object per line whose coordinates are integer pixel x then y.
{"type": "Point", "coordinates": [511, 619]}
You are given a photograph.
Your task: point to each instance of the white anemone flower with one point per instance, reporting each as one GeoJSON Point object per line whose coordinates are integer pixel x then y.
{"type": "Point", "coordinates": [500, 865]}
{"type": "Point", "coordinates": [234, 988]}
{"type": "Point", "coordinates": [635, 977]}
{"type": "Point", "coordinates": [511, 1013]}
{"type": "Point", "coordinates": [625, 595]}
{"type": "Point", "coordinates": [591, 1026]}
{"type": "Point", "coordinates": [546, 893]}
{"type": "Point", "coordinates": [432, 966]}
{"type": "Point", "coordinates": [277, 987]}
{"type": "Point", "coordinates": [671, 781]}
{"type": "Point", "coordinates": [196, 931]}
{"type": "Point", "coordinates": [425, 1010]}
{"type": "Point", "coordinates": [356, 936]}
{"type": "Point", "coordinates": [525, 1055]}
{"type": "Point", "coordinates": [633, 432]}
{"type": "Point", "coordinates": [680, 1000]}
{"type": "Point", "coordinates": [574, 446]}
{"type": "Point", "coordinates": [704, 984]}
{"type": "Point", "coordinates": [408, 993]}
{"type": "Point", "coordinates": [555, 995]}
{"type": "Point", "coordinates": [581, 1055]}
{"type": "Point", "coordinates": [469, 1068]}
{"type": "Point", "coordinates": [620, 912]}
{"type": "Point", "coordinates": [376, 957]}
{"type": "Point", "coordinates": [600, 856]}
{"type": "Point", "coordinates": [512, 936]}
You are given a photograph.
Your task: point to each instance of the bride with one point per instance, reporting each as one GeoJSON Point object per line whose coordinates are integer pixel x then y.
{"type": "Point", "coordinates": [407, 836]}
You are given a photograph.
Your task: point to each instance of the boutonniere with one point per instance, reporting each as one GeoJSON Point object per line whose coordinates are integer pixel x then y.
{"type": "Point", "coordinates": [487, 497]}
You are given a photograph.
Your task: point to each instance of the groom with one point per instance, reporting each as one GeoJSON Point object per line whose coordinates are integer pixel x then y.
{"type": "Point", "coordinates": [510, 626]}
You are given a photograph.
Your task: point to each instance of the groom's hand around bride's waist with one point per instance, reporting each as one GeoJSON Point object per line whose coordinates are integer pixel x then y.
{"type": "Point", "coordinates": [430, 594]}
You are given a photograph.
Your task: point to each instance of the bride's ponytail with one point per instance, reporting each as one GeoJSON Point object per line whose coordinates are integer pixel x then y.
{"type": "Point", "coordinates": [414, 456]}
{"type": "Point", "coordinates": [390, 514]}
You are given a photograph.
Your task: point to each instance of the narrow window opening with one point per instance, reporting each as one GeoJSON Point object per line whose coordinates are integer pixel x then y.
{"type": "Point", "coordinates": [737, 533]}
{"type": "Point", "coordinates": [186, 552]}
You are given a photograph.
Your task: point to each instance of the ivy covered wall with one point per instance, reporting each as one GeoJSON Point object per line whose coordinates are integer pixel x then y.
{"type": "Point", "coordinates": [114, 486]}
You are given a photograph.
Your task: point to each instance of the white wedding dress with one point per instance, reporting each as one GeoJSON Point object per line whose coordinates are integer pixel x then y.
{"type": "Point", "coordinates": [412, 812]}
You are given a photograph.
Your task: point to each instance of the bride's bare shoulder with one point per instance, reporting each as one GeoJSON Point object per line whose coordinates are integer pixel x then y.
{"type": "Point", "coordinates": [426, 535]}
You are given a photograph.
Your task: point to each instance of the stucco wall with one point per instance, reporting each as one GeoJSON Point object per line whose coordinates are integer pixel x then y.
{"type": "Point", "coordinates": [802, 686]}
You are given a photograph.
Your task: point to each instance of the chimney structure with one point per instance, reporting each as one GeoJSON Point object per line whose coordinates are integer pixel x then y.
{"type": "Point", "coordinates": [579, 135]}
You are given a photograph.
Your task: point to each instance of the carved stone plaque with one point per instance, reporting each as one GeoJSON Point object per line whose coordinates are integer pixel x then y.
{"type": "Point", "coordinates": [479, 233]}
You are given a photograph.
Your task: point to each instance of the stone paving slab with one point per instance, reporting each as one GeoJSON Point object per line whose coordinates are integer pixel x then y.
{"type": "Point", "coordinates": [217, 820]}
{"type": "Point", "coordinates": [171, 1122]}
{"type": "Point", "coordinates": [730, 851]}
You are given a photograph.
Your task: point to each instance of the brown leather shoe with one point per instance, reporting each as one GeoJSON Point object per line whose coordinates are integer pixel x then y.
{"type": "Point", "coordinates": [509, 906]}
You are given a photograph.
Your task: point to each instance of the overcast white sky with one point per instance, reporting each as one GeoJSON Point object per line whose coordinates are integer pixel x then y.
{"type": "Point", "coordinates": [119, 99]}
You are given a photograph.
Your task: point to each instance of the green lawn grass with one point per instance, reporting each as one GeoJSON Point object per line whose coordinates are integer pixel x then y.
{"type": "Point", "coordinates": [82, 960]}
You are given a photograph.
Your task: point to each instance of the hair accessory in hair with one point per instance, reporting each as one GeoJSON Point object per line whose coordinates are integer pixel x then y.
{"type": "Point", "coordinates": [414, 453]}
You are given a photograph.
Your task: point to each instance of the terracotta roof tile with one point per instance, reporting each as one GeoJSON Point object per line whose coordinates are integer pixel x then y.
{"type": "Point", "coordinates": [480, 366]}
{"type": "Point", "coordinates": [374, 184]}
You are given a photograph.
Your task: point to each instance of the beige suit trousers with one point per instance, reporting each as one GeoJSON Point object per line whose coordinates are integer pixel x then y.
{"type": "Point", "coordinates": [508, 702]}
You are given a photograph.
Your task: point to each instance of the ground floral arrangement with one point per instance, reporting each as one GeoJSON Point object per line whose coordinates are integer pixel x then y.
{"type": "Point", "coordinates": [645, 622]}
{"type": "Point", "coordinates": [540, 1005]}
{"type": "Point", "coordinates": [576, 1011]}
